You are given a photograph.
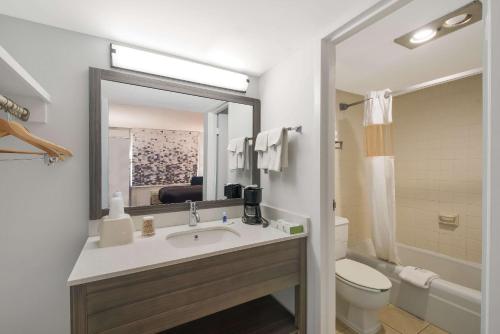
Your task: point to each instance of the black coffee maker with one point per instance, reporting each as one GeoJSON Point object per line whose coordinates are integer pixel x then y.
{"type": "Point", "coordinates": [252, 196]}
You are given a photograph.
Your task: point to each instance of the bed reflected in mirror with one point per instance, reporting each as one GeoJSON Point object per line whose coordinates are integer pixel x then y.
{"type": "Point", "coordinates": [162, 147]}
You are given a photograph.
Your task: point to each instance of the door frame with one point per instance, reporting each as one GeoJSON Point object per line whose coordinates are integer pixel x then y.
{"type": "Point", "coordinates": [491, 156]}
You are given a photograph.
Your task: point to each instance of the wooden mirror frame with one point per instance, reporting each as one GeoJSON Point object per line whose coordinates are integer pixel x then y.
{"type": "Point", "coordinates": [95, 170]}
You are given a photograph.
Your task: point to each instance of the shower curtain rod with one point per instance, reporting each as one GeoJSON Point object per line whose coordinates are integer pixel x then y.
{"type": "Point", "coordinates": [439, 81]}
{"type": "Point", "coordinates": [13, 108]}
{"type": "Point", "coordinates": [345, 106]}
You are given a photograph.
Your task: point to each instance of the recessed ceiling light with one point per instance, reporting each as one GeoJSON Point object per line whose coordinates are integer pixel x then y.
{"type": "Point", "coordinates": [457, 20]}
{"type": "Point", "coordinates": [423, 35]}
{"type": "Point", "coordinates": [442, 26]}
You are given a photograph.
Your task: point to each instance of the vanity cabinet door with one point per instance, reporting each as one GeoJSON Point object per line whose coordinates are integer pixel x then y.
{"type": "Point", "coordinates": [158, 299]}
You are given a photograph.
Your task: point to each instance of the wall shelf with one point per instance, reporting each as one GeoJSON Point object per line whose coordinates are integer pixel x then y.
{"type": "Point", "coordinates": [17, 84]}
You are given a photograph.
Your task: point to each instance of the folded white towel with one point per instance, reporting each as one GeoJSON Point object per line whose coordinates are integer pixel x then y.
{"type": "Point", "coordinates": [277, 146]}
{"type": "Point", "coordinates": [237, 153]}
{"type": "Point", "coordinates": [240, 144]}
{"type": "Point", "coordinates": [419, 277]}
{"type": "Point", "coordinates": [241, 151]}
{"type": "Point", "coordinates": [232, 156]}
{"type": "Point", "coordinates": [231, 146]}
{"type": "Point", "coordinates": [261, 142]}
{"type": "Point", "coordinates": [261, 149]}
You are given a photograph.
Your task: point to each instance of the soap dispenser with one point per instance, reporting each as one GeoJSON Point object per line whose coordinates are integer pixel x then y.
{"type": "Point", "coordinates": [117, 228]}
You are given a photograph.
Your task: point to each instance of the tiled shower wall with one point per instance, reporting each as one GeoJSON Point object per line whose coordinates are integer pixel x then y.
{"type": "Point", "coordinates": [438, 154]}
{"type": "Point", "coordinates": [350, 179]}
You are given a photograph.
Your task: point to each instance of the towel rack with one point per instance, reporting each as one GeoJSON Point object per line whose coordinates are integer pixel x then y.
{"type": "Point", "coordinates": [13, 108]}
{"type": "Point", "coordinates": [297, 128]}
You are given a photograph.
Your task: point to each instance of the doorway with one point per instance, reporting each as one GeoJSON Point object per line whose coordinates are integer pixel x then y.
{"type": "Point", "coordinates": [329, 77]}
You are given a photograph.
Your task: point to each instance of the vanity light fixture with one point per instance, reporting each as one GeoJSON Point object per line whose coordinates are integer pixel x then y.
{"type": "Point", "coordinates": [176, 68]}
{"type": "Point", "coordinates": [444, 25]}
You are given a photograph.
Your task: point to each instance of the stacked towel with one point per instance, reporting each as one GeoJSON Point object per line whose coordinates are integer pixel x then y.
{"type": "Point", "coordinates": [277, 145]}
{"type": "Point", "coordinates": [419, 277]}
{"type": "Point", "coordinates": [272, 149]}
{"type": "Point", "coordinates": [262, 152]}
{"type": "Point", "coordinates": [231, 155]}
{"type": "Point", "coordinates": [240, 152]}
{"type": "Point", "coordinates": [237, 153]}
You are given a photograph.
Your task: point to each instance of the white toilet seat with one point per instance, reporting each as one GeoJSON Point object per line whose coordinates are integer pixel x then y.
{"type": "Point", "coordinates": [361, 276]}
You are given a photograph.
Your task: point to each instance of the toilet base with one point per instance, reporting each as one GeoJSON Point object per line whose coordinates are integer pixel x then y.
{"type": "Point", "coordinates": [361, 321]}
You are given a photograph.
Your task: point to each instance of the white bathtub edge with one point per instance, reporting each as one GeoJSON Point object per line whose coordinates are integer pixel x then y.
{"type": "Point", "coordinates": [453, 307]}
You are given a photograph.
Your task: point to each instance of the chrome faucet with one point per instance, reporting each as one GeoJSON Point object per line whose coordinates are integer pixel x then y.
{"type": "Point", "coordinates": [194, 216]}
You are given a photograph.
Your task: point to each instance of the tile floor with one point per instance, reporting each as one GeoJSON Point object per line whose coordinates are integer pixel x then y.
{"type": "Point", "coordinates": [396, 321]}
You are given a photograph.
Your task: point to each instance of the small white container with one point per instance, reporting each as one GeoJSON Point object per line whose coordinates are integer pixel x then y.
{"type": "Point", "coordinates": [117, 231]}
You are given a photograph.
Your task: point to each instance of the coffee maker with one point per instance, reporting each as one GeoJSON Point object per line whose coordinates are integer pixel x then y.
{"type": "Point", "coordinates": [252, 196]}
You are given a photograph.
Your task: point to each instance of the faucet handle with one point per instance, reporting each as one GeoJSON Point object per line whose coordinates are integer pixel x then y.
{"type": "Point", "coordinates": [192, 205]}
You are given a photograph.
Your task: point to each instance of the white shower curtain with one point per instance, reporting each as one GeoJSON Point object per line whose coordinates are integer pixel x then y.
{"type": "Point", "coordinates": [380, 172]}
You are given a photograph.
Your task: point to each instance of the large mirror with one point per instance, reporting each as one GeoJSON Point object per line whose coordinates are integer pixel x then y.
{"type": "Point", "coordinates": [161, 144]}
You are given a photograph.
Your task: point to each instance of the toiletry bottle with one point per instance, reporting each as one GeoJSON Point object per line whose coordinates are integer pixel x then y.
{"type": "Point", "coordinates": [224, 218]}
{"type": "Point", "coordinates": [148, 226]}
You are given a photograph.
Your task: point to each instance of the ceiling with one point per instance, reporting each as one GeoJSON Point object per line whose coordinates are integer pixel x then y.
{"type": "Point", "coordinates": [247, 36]}
{"type": "Point", "coordinates": [120, 93]}
{"type": "Point", "coordinates": [370, 60]}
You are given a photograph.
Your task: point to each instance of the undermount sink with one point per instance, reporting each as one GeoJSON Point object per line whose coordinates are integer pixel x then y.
{"type": "Point", "coordinates": [202, 236]}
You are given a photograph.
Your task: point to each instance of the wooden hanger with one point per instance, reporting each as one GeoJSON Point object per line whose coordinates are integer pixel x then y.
{"type": "Point", "coordinates": [19, 131]}
{"type": "Point", "coordinates": [11, 150]}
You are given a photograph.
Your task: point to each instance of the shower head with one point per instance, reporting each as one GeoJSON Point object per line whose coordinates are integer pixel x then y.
{"type": "Point", "coordinates": [343, 106]}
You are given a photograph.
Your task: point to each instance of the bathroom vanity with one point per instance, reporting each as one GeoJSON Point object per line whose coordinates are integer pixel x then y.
{"type": "Point", "coordinates": [181, 274]}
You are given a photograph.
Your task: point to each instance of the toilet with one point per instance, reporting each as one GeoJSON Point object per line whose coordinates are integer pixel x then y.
{"type": "Point", "coordinates": [361, 290]}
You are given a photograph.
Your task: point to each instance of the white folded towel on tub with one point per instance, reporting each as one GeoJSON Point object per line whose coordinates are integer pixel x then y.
{"type": "Point", "coordinates": [419, 277]}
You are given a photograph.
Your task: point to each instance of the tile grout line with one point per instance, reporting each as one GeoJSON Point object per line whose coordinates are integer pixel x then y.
{"type": "Point", "coordinates": [423, 329]}
{"type": "Point", "coordinates": [392, 327]}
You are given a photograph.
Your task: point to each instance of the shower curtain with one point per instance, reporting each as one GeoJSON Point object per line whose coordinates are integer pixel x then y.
{"type": "Point", "coordinates": [380, 173]}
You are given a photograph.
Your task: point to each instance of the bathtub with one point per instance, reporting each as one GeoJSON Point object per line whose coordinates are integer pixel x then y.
{"type": "Point", "coordinates": [453, 301]}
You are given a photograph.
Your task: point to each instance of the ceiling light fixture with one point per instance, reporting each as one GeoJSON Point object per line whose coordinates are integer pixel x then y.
{"type": "Point", "coordinates": [451, 22]}
{"type": "Point", "coordinates": [423, 35]}
{"type": "Point", "coordinates": [176, 68]}
{"type": "Point", "coordinates": [457, 20]}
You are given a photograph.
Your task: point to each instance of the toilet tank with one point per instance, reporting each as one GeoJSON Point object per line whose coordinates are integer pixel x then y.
{"type": "Point", "coordinates": [341, 235]}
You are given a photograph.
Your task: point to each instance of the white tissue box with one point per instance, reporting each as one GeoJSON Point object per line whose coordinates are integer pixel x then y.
{"type": "Point", "coordinates": [118, 231]}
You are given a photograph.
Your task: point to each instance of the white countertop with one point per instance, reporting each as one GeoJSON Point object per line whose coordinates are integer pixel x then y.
{"type": "Point", "coordinates": [95, 263]}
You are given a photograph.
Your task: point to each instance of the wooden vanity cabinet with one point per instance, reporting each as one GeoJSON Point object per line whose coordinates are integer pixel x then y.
{"type": "Point", "coordinates": [158, 299]}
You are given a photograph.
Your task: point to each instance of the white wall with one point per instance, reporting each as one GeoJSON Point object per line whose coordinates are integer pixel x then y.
{"type": "Point", "coordinates": [44, 210]}
{"type": "Point", "coordinates": [239, 124]}
{"type": "Point", "coordinates": [135, 117]}
{"type": "Point", "coordinates": [210, 161]}
{"type": "Point", "coordinates": [119, 168]}
{"type": "Point", "coordinates": [287, 97]}
{"type": "Point", "coordinates": [221, 155]}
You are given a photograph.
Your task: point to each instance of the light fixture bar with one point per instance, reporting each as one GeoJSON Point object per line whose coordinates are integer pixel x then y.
{"type": "Point", "coordinates": [176, 68]}
{"type": "Point", "coordinates": [442, 26]}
